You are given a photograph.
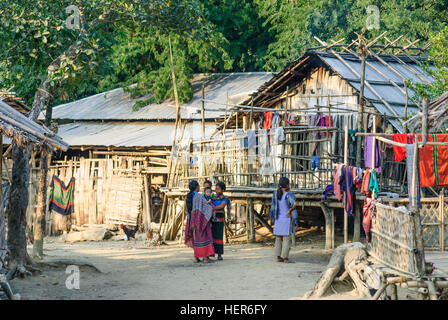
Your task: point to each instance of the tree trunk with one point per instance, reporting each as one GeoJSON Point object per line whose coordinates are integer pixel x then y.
{"type": "Point", "coordinates": [41, 210]}
{"type": "Point", "coordinates": [39, 223]}
{"type": "Point", "coordinates": [18, 203]}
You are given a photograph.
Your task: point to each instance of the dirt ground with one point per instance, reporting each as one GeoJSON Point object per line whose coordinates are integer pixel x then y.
{"type": "Point", "coordinates": [140, 271]}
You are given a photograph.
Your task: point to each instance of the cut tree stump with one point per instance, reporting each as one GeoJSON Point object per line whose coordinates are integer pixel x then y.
{"type": "Point", "coordinates": [351, 262]}
{"type": "Point", "coordinates": [7, 289]}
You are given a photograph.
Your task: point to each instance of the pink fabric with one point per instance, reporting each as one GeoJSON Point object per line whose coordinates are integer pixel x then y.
{"type": "Point", "coordinates": [337, 187]}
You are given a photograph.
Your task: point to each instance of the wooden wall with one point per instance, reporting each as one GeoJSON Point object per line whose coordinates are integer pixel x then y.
{"type": "Point", "coordinates": [108, 190]}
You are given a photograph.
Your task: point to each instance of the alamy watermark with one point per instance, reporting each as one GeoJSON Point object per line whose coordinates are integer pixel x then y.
{"type": "Point", "coordinates": [373, 20]}
{"type": "Point", "coordinates": [73, 279]}
{"type": "Point", "coordinates": [73, 21]}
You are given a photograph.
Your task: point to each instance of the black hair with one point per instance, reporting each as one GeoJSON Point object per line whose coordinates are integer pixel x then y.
{"type": "Point", "coordinates": [208, 181]}
{"type": "Point", "coordinates": [282, 183]}
{"type": "Point", "coordinates": [222, 185]}
{"type": "Point", "coordinates": [192, 185]}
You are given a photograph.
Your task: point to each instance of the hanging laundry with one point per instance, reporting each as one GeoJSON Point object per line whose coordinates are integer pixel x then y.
{"type": "Point", "coordinates": [315, 163]}
{"type": "Point", "coordinates": [365, 183]}
{"type": "Point", "coordinates": [328, 123]}
{"type": "Point", "coordinates": [251, 147]}
{"type": "Point", "coordinates": [373, 184]}
{"type": "Point", "coordinates": [337, 186]}
{"type": "Point", "coordinates": [352, 145]}
{"type": "Point", "coordinates": [434, 162]}
{"type": "Point", "coordinates": [314, 121]}
{"type": "Point", "coordinates": [368, 149]}
{"type": "Point", "coordinates": [357, 177]}
{"type": "Point", "coordinates": [368, 212]}
{"type": "Point", "coordinates": [328, 190]}
{"type": "Point", "coordinates": [276, 147]}
{"type": "Point", "coordinates": [279, 135]}
{"type": "Point", "coordinates": [266, 166]}
{"type": "Point", "coordinates": [268, 116]}
{"type": "Point", "coordinates": [275, 119]}
{"type": "Point", "coordinates": [348, 188]}
{"type": "Point", "coordinates": [61, 197]}
{"type": "Point", "coordinates": [400, 152]}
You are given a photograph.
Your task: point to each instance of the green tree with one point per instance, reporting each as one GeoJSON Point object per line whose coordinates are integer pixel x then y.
{"type": "Point", "coordinates": [37, 48]}
{"type": "Point", "coordinates": [436, 66]}
{"type": "Point", "coordinates": [294, 23]}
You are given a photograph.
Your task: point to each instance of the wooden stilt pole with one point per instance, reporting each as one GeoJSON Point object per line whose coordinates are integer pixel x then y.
{"type": "Point", "coordinates": [420, 255]}
{"type": "Point", "coordinates": [328, 225]}
{"type": "Point", "coordinates": [442, 221]}
{"type": "Point", "coordinates": [357, 223]}
{"type": "Point", "coordinates": [252, 223]}
{"type": "Point", "coordinates": [346, 163]}
{"type": "Point", "coordinates": [247, 222]}
{"type": "Point", "coordinates": [332, 229]}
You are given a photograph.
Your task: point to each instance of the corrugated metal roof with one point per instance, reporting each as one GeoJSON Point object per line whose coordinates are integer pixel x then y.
{"type": "Point", "coordinates": [398, 69]}
{"type": "Point", "coordinates": [119, 134]}
{"type": "Point", "coordinates": [117, 104]}
{"type": "Point", "coordinates": [379, 77]}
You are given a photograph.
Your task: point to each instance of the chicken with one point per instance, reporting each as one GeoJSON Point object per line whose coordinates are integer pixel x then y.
{"type": "Point", "coordinates": [130, 233]}
{"type": "Point", "coordinates": [154, 238]}
{"type": "Point", "coordinates": [149, 235]}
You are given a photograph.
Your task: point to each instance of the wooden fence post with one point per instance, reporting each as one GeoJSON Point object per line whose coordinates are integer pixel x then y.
{"type": "Point", "coordinates": [252, 224]}
{"type": "Point", "coordinates": [442, 220]}
{"type": "Point", "coordinates": [346, 163]}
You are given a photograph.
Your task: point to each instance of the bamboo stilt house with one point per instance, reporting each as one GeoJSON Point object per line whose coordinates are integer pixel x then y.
{"type": "Point", "coordinates": [119, 156]}
{"type": "Point", "coordinates": [319, 103]}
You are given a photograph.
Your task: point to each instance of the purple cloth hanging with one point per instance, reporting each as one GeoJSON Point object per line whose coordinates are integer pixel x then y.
{"type": "Point", "coordinates": [368, 147]}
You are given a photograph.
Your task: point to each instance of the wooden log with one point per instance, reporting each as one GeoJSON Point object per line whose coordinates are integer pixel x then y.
{"type": "Point", "coordinates": [262, 221]}
{"type": "Point", "coordinates": [329, 231]}
{"type": "Point", "coordinates": [333, 268]}
{"type": "Point", "coordinates": [394, 293]}
{"type": "Point", "coordinates": [431, 290]}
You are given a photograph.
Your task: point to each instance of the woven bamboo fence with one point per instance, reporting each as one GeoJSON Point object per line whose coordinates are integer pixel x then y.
{"type": "Point", "coordinates": [394, 239]}
{"type": "Point", "coordinates": [106, 191]}
{"type": "Point", "coordinates": [434, 221]}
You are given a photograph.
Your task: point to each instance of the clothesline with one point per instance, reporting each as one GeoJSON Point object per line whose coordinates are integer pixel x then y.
{"type": "Point", "coordinates": [380, 137]}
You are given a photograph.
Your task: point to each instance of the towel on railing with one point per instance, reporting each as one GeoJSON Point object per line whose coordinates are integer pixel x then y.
{"type": "Point", "coordinates": [61, 196]}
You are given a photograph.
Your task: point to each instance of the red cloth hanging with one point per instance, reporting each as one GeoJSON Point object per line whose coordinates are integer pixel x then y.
{"type": "Point", "coordinates": [434, 162]}
{"type": "Point", "coordinates": [267, 124]}
{"type": "Point", "coordinates": [400, 152]}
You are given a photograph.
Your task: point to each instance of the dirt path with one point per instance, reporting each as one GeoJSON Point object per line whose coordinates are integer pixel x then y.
{"type": "Point", "coordinates": [141, 272]}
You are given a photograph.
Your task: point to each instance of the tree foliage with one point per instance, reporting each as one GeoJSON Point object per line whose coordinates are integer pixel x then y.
{"type": "Point", "coordinates": [207, 36]}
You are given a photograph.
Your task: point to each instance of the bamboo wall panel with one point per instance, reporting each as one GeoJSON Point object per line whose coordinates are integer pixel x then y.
{"type": "Point", "coordinates": [106, 191]}
{"type": "Point", "coordinates": [394, 238]}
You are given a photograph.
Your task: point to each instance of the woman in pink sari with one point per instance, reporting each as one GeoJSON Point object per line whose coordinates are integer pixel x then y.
{"type": "Point", "coordinates": [198, 231]}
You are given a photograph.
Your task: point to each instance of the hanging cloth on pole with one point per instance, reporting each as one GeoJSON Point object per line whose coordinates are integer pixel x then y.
{"type": "Point", "coordinates": [368, 149]}
{"type": "Point", "coordinates": [62, 196]}
{"type": "Point", "coordinates": [434, 162]}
